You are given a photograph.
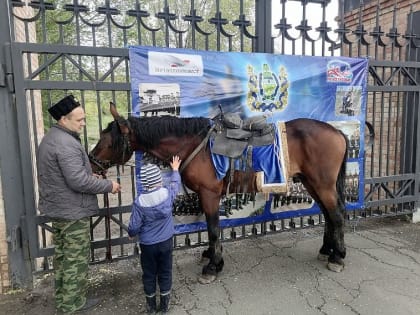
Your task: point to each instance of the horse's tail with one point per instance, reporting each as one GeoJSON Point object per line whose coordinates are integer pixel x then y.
{"type": "Point", "coordinates": [342, 176]}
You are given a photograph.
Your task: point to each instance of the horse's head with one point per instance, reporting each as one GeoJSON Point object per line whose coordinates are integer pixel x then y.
{"type": "Point", "coordinates": [113, 147]}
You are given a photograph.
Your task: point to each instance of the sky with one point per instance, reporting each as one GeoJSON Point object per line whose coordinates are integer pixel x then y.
{"type": "Point", "coordinates": [314, 18]}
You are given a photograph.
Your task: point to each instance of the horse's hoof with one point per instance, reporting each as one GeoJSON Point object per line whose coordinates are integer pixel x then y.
{"type": "Point", "coordinates": [208, 253]}
{"type": "Point", "coordinates": [335, 267]}
{"type": "Point", "coordinates": [323, 257]}
{"type": "Point", "coordinates": [206, 279]}
{"type": "Point", "coordinates": [203, 261]}
{"type": "Point", "coordinates": [219, 266]}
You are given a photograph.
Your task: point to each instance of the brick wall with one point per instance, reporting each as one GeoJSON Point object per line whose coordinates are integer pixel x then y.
{"type": "Point", "coordinates": [384, 110]}
{"type": "Point", "coordinates": [385, 159]}
{"type": "Point", "coordinates": [386, 15]}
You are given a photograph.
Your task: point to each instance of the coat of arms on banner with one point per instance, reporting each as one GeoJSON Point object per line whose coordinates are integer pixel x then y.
{"type": "Point", "coordinates": [267, 90]}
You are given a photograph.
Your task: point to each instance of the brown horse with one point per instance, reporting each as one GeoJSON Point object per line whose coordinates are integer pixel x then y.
{"type": "Point", "coordinates": [317, 157]}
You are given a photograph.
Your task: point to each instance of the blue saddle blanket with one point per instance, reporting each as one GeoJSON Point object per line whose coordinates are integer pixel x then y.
{"type": "Point", "coordinates": [264, 159]}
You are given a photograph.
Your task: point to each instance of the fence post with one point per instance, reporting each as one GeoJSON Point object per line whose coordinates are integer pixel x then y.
{"type": "Point", "coordinates": [416, 154]}
{"type": "Point", "coordinates": [411, 129]}
{"type": "Point", "coordinates": [14, 252]}
{"type": "Point", "coordinates": [263, 26]}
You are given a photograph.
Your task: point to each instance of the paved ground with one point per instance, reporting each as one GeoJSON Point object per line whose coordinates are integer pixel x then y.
{"type": "Point", "coordinates": [274, 274]}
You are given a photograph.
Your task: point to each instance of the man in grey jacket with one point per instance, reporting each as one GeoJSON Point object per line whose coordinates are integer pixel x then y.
{"type": "Point", "coordinates": [67, 194]}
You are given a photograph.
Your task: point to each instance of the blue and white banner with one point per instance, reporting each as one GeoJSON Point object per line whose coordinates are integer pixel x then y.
{"type": "Point", "coordinates": [189, 83]}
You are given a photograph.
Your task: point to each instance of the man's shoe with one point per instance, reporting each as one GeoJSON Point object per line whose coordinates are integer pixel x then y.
{"type": "Point", "coordinates": [90, 303]}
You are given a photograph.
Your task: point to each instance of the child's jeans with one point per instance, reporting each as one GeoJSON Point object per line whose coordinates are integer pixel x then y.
{"type": "Point", "coordinates": [156, 262]}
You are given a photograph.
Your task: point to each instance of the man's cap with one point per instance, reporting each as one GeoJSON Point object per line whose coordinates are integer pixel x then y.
{"type": "Point", "coordinates": [150, 176]}
{"type": "Point", "coordinates": [63, 107]}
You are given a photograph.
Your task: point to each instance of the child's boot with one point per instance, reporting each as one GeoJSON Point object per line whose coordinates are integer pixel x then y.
{"type": "Point", "coordinates": [164, 302]}
{"type": "Point", "coordinates": [151, 304]}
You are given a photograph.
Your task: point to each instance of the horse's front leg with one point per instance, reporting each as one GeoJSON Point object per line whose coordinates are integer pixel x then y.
{"type": "Point", "coordinates": [210, 203]}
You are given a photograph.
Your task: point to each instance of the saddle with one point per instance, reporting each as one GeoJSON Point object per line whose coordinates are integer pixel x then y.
{"type": "Point", "coordinates": [232, 135]}
{"type": "Point", "coordinates": [235, 138]}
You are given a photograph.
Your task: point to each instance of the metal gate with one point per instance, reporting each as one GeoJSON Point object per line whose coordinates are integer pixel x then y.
{"type": "Point", "coordinates": [52, 47]}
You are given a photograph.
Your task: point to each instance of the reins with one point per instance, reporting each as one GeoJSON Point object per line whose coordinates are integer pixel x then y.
{"type": "Point", "coordinates": [196, 150]}
{"type": "Point", "coordinates": [192, 156]}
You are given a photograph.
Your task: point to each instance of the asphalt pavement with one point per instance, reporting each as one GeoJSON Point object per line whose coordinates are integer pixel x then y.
{"type": "Point", "coordinates": [272, 274]}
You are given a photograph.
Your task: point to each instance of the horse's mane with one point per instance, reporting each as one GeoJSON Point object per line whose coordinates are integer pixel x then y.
{"type": "Point", "coordinates": [150, 130]}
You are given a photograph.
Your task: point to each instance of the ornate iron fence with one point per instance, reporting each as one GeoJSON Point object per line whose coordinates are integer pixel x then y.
{"type": "Point", "coordinates": [81, 47]}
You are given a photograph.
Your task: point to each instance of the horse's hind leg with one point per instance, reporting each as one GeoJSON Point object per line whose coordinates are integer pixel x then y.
{"type": "Point", "coordinates": [333, 243]}
{"type": "Point", "coordinates": [333, 247]}
{"type": "Point", "coordinates": [327, 245]}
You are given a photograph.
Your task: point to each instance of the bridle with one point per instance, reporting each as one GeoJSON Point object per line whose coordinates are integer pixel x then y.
{"type": "Point", "coordinates": [103, 165]}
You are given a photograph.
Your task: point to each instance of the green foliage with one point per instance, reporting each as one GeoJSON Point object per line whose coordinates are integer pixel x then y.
{"type": "Point", "coordinates": [59, 26]}
{"type": "Point", "coordinates": [94, 29]}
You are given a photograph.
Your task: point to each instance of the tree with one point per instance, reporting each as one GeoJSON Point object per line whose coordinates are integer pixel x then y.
{"type": "Point", "coordinates": [200, 24]}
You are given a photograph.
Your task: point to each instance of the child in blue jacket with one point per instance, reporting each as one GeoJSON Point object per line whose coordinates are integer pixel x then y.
{"type": "Point", "coordinates": [151, 219]}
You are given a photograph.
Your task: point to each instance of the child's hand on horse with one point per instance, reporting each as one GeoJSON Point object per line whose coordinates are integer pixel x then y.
{"type": "Point", "coordinates": [175, 162]}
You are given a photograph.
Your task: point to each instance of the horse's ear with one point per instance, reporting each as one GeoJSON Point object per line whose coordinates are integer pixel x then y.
{"type": "Point", "coordinates": [122, 122]}
{"type": "Point", "coordinates": [113, 110]}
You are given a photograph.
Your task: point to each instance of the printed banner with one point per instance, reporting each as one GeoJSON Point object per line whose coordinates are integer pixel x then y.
{"type": "Point", "coordinates": [188, 83]}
